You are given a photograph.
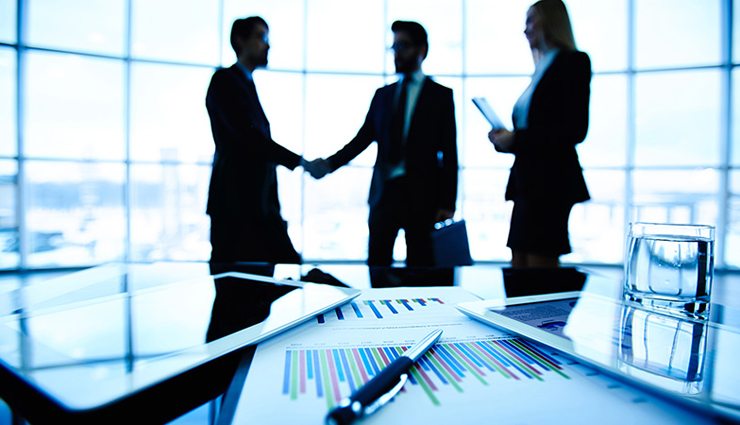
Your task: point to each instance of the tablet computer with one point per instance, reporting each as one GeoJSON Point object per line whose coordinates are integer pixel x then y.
{"type": "Point", "coordinates": [687, 361]}
{"type": "Point", "coordinates": [85, 358]}
{"type": "Point", "coordinates": [485, 108]}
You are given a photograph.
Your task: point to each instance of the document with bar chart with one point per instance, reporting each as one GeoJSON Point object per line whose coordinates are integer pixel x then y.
{"type": "Point", "coordinates": [474, 372]}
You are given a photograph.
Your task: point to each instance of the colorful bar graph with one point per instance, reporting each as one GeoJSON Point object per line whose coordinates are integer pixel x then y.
{"type": "Point", "coordinates": [336, 372]}
{"type": "Point", "coordinates": [378, 309]}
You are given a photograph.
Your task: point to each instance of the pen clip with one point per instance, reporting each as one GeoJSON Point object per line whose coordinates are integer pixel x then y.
{"type": "Point", "coordinates": [385, 398]}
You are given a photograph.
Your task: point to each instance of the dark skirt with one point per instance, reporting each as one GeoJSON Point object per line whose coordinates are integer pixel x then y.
{"type": "Point", "coordinates": [539, 228]}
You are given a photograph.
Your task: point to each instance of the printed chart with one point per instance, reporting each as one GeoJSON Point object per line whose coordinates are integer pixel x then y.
{"type": "Point", "coordinates": [333, 374]}
{"type": "Point", "coordinates": [380, 309]}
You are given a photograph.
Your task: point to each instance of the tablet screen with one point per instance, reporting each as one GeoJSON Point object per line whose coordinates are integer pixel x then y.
{"type": "Point", "coordinates": [90, 353]}
{"type": "Point", "coordinates": [687, 360]}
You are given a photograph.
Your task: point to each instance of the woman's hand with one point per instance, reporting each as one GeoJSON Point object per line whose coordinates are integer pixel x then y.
{"type": "Point", "coordinates": [502, 140]}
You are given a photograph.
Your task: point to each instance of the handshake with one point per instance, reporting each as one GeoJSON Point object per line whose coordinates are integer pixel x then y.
{"type": "Point", "coordinates": [318, 168]}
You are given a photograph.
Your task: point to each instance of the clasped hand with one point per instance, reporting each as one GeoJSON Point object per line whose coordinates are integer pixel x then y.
{"type": "Point", "coordinates": [317, 168]}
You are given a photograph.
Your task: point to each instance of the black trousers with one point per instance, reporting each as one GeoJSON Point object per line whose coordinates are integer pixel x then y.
{"type": "Point", "coordinates": [263, 241]}
{"type": "Point", "coordinates": [395, 211]}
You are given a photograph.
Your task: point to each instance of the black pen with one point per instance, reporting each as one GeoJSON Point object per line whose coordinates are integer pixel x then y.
{"type": "Point", "coordinates": [383, 387]}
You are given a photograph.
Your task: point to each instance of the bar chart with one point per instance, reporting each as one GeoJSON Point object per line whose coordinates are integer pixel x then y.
{"type": "Point", "coordinates": [380, 308]}
{"type": "Point", "coordinates": [333, 373]}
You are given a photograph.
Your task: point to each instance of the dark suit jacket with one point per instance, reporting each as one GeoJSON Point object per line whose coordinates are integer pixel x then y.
{"type": "Point", "coordinates": [243, 197]}
{"type": "Point", "coordinates": [243, 179]}
{"type": "Point", "coordinates": [431, 151]}
{"type": "Point", "coordinates": [546, 167]}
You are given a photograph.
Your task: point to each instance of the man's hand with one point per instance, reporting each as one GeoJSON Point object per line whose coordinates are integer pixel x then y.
{"type": "Point", "coordinates": [443, 215]}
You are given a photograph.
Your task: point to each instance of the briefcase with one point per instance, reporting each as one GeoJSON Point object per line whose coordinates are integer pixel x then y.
{"type": "Point", "coordinates": [450, 242]}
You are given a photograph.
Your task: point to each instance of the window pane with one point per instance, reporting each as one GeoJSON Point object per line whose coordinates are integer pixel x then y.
{"type": "Point", "coordinates": [442, 20]}
{"type": "Point", "coordinates": [336, 108]}
{"type": "Point", "coordinates": [168, 117]}
{"type": "Point", "coordinates": [192, 36]}
{"type": "Point", "coordinates": [486, 213]}
{"type": "Point", "coordinates": [736, 117]}
{"type": "Point", "coordinates": [735, 31]}
{"type": "Point", "coordinates": [8, 133]}
{"type": "Point", "coordinates": [80, 25]}
{"type": "Point", "coordinates": [494, 37]}
{"type": "Point", "coordinates": [75, 213]}
{"type": "Point", "coordinates": [74, 107]}
{"type": "Point", "coordinates": [596, 227]}
{"type": "Point", "coordinates": [600, 29]}
{"type": "Point", "coordinates": [7, 21]}
{"type": "Point", "coordinates": [281, 96]}
{"type": "Point", "coordinates": [290, 192]}
{"type": "Point", "coordinates": [345, 35]}
{"type": "Point", "coordinates": [168, 220]}
{"type": "Point", "coordinates": [9, 257]}
{"type": "Point", "coordinates": [606, 142]}
{"type": "Point", "coordinates": [286, 21]}
{"type": "Point", "coordinates": [732, 250]}
{"type": "Point", "coordinates": [336, 215]}
{"type": "Point", "coordinates": [678, 118]}
{"type": "Point", "coordinates": [676, 196]}
{"type": "Point", "coordinates": [677, 32]}
{"type": "Point", "coordinates": [502, 93]}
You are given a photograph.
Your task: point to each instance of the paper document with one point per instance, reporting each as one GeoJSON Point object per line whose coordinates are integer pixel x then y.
{"type": "Point", "coordinates": [485, 108]}
{"type": "Point", "coordinates": [474, 374]}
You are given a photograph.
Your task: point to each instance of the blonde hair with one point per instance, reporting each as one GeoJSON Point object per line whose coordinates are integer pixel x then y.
{"type": "Point", "coordinates": [555, 23]}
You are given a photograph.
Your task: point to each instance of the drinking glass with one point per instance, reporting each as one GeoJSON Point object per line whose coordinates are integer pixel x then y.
{"type": "Point", "coordinates": [670, 267]}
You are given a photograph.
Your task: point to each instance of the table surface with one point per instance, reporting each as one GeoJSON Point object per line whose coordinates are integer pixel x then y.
{"type": "Point", "coordinates": [485, 281]}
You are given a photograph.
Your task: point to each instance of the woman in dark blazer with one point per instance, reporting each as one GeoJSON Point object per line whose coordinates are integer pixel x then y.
{"type": "Point", "coordinates": [550, 119]}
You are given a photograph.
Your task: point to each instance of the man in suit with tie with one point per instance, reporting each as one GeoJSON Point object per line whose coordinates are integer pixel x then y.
{"type": "Point", "coordinates": [243, 204]}
{"type": "Point", "coordinates": [414, 181]}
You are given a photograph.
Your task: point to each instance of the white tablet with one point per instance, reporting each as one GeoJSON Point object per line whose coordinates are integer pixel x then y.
{"type": "Point", "coordinates": [85, 357]}
{"type": "Point", "coordinates": [688, 361]}
{"type": "Point", "coordinates": [485, 108]}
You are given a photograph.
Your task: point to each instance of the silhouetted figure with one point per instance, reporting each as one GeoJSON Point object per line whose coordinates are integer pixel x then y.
{"type": "Point", "coordinates": [550, 119]}
{"type": "Point", "coordinates": [243, 204]}
{"type": "Point", "coordinates": [414, 181]}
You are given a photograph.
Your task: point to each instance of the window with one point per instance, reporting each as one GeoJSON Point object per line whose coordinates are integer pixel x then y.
{"type": "Point", "coordinates": [75, 214]}
{"type": "Point", "coordinates": [168, 114]}
{"type": "Point", "coordinates": [7, 21]}
{"type": "Point", "coordinates": [494, 37]}
{"type": "Point", "coordinates": [95, 26]}
{"type": "Point", "coordinates": [677, 118]}
{"type": "Point", "coordinates": [8, 134]}
{"type": "Point", "coordinates": [116, 144]}
{"type": "Point", "coordinates": [345, 36]}
{"type": "Point", "coordinates": [168, 202]}
{"type": "Point", "coordinates": [677, 33]}
{"type": "Point", "coordinates": [606, 141]}
{"type": "Point", "coordinates": [286, 19]}
{"type": "Point", "coordinates": [9, 235]}
{"type": "Point", "coordinates": [443, 21]}
{"type": "Point", "coordinates": [600, 29]}
{"type": "Point", "coordinates": [73, 107]}
{"type": "Point", "coordinates": [175, 30]}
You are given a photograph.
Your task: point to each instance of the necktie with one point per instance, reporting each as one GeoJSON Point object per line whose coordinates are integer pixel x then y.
{"type": "Point", "coordinates": [397, 124]}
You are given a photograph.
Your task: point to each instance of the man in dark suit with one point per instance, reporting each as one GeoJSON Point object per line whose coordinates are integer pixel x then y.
{"type": "Point", "coordinates": [414, 181]}
{"type": "Point", "coordinates": [246, 224]}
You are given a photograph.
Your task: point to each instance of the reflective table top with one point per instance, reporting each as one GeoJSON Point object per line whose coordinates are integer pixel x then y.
{"type": "Point", "coordinates": [128, 340]}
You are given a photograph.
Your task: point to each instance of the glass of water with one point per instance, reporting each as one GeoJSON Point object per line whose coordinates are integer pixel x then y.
{"type": "Point", "coordinates": [670, 267]}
